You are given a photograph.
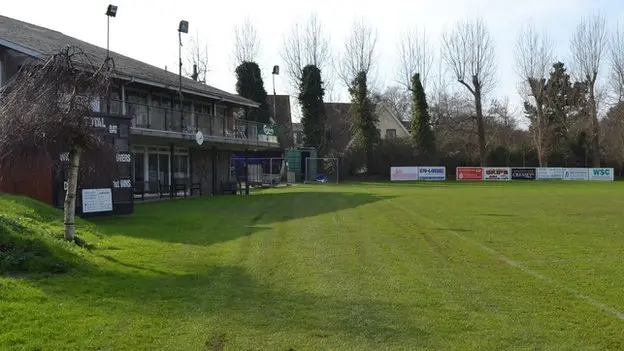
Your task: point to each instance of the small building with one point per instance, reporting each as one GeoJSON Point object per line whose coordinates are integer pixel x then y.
{"type": "Point", "coordinates": [163, 152]}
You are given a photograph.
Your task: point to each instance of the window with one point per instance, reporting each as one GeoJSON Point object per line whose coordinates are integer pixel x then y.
{"type": "Point", "coordinates": [390, 133]}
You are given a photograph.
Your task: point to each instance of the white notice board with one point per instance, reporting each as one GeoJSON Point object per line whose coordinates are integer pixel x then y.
{"type": "Point", "coordinates": [97, 200]}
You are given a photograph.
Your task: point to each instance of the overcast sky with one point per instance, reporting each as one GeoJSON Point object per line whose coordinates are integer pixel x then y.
{"type": "Point", "coordinates": [147, 30]}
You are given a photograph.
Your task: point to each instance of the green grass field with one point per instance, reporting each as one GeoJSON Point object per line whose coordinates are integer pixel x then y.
{"type": "Point", "coordinates": [535, 266]}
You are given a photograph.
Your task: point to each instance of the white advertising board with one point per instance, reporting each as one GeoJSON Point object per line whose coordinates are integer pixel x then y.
{"type": "Point", "coordinates": [601, 174]}
{"type": "Point", "coordinates": [403, 174]}
{"type": "Point", "coordinates": [496, 173]}
{"type": "Point", "coordinates": [575, 174]}
{"type": "Point", "coordinates": [549, 173]}
{"type": "Point", "coordinates": [432, 173]}
{"type": "Point", "coordinates": [97, 200]}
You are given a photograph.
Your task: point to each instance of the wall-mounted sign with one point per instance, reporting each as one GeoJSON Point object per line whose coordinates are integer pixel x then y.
{"type": "Point", "coordinates": [123, 158]}
{"type": "Point", "coordinates": [122, 183]}
{"type": "Point", "coordinates": [199, 138]}
{"type": "Point", "coordinates": [97, 200]}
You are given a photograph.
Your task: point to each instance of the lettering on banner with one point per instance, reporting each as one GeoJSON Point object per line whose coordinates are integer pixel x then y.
{"type": "Point", "coordinates": [122, 183]}
{"type": "Point", "coordinates": [124, 158]}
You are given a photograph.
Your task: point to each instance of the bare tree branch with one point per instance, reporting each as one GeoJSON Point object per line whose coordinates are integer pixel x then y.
{"type": "Point", "coordinates": [247, 42]}
{"type": "Point", "coordinates": [359, 52]}
{"type": "Point", "coordinates": [534, 56]}
{"type": "Point", "coordinates": [415, 56]}
{"type": "Point", "coordinates": [617, 62]}
{"type": "Point", "coordinates": [197, 56]}
{"type": "Point", "coordinates": [468, 50]}
{"type": "Point", "coordinates": [588, 46]}
{"type": "Point", "coordinates": [307, 44]}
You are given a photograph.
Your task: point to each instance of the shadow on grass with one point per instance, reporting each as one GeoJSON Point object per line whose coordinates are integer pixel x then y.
{"type": "Point", "coordinates": [210, 220]}
{"type": "Point", "coordinates": [241, 303]}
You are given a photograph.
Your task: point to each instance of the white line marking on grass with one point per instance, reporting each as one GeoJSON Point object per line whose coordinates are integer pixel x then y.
{"type": "Point", "coordinates": [597, 304]}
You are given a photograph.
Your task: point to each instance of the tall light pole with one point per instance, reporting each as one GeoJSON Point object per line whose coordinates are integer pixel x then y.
{"type": "Point", "coordinates": [275, 73]}
{"type": "Point", "coordinates": [182, 28]}
{"type": "Point", "coordinates": [111, 11]}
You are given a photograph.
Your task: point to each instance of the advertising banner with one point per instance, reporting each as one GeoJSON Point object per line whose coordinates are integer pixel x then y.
{"type": "Point", "coordinates": [549, 173]}
{"type": "Point", "coordinates": [432, 173]}
{"type": "Point", "coordinates": [496, 173]}
{"type": "Point", "coordinates": [575, 174]}
{"type": "Point", "coordinates": [602, 174]}
{"type": "Point", "coordinates": [523, 173]}
{"type": "Point", "coordinates": [403, 174]}
{"type": "Point", "coordinates": [469, 173]}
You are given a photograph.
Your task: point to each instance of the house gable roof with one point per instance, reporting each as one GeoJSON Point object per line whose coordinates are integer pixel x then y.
{"type": "Point", "coordinates": [39, 42]}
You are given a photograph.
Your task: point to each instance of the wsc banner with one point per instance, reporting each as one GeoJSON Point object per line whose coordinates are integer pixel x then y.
{"type": "Point", "coordinates": [403, 174]}
{"type": "Point", "coordinates": [496, 173]}
{"type": "Point", "coordinates": [432, 173]}
{"type": "Point", "coordinates": [469, 173]}
{"type": "Point", "coordinates": [575, 174]}
{"type": "Point", "coordinates": [601, 174]}
{"type": "Point", "coordinates": [549, 173]}
{"type": "Point", "coordinates": [523, 173]}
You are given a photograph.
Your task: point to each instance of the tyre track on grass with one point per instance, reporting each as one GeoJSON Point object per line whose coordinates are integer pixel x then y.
{"type": "Point", "coordinates": [579, 295]}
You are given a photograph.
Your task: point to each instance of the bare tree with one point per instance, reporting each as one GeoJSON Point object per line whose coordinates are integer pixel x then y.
{"type": "Point", "coordinates": [588, 46]}
{"type": "Point", "coordinates": [469, 52]}
{"type": "Point", "coordinates": [415, 56]}
{"type": "Point", "coordinates": [617, 62]}
{"type": "Point", "coordinates": [534, 57]}
{"type": "Point", "coordinates": [197, 60]}
{"type": "Point", "coordinates": [307, 44]}
{"type": "Point", "coordinates": [45, 106]}
{"type": "Point", "coordinates": [359, 52]}
{"type": "Point", "coordinates": [247, 42]}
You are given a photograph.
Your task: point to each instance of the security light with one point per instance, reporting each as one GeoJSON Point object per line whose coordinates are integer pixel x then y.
{"type": "Point", "coordinates": [111, 11]}
{"type": "Point", "coordinates": [183, 28]}
{"type": "Point", "coordinates": [276, 70]}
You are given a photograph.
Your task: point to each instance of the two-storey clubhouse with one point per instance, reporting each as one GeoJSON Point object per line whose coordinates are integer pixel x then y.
{"type": "Point", "coordinates": [165, 157]}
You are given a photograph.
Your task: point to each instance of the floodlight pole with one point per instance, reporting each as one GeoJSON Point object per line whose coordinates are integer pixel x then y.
{"type": "Point", "coordinates": [107, 35]}
{"type": "Point", "coordinates": [180, 85]}
{"type": "Point", "coordinates": [275, 72]}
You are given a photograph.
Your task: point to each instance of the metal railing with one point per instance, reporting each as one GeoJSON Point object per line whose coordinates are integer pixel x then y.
{"type": "Point", "coordinates": [190, 122]}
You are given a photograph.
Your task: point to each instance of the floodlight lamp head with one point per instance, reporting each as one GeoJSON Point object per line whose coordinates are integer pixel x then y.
{"type": "Point", "coordinates": [183, 27]}
{"type": "Point", "coordinates": [276, 70]}
{"type": "Point", "coordinates": [111, 11]}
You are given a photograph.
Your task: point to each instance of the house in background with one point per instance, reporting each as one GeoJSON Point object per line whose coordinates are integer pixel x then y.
{"type": "Point", "coordinates": [340, 132]}
{"type": "Point", "coordinates": [165, 151]}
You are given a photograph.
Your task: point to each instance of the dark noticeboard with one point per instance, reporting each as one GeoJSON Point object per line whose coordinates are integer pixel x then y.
{"type": "Point", "coordinates": [104, 183]}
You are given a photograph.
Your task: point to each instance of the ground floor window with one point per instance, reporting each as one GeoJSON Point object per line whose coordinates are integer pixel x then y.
{"type": "Point", "coordinates": [156, 166]}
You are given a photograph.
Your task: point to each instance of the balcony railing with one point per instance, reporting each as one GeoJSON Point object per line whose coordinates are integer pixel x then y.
{"type": "Point", "coordinates": [190, 122]}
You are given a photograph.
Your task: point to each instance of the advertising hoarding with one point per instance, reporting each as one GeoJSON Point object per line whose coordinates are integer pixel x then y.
{"type": "Point", "coordinates": [549, 173]}
{"type": "Point", "coordinates": [432, 173]}
{"type": "Point", "coordinates": [601, 174]}
{"type": "Point", "coordinates": [469, 173]}
{"type": "Point", "coordinates": [523, 173]}
{"type": "Point", "coordinates": [496, 173]}
{"type": "Point", "coordinates": [575, 174]}
{"type": "Point", "coordinates": [403, 174]}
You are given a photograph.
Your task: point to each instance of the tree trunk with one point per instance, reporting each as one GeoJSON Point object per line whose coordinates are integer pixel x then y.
{"type": "Point", "coordinates": [542, 135]}
{"type": "Point", "coordinates": [70, 196]}
{"type": "Point", "coordinates": [480, 123]}
{"type": "Point", "coordinates": [594, 133]}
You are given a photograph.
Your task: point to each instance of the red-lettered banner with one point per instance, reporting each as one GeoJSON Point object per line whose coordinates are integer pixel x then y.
{"type": "Point", "coordinates": [469, 173]}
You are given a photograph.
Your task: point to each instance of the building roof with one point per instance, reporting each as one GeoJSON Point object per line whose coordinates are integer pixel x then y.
{"type": "Point", "coordinates": [283, 118]}
{"type": "Point", "coordinates": [39, 42]}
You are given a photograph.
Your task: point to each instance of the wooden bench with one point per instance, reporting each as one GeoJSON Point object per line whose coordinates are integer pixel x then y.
{"type": "Point", "coordinates": [139, 188]}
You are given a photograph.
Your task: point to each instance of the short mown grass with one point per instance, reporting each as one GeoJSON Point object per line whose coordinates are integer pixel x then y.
{"type": "Point", "coordinates": [352, 267]}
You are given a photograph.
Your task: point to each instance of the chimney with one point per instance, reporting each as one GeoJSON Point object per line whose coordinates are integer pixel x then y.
{"type": "Point", "coordinates": [195, 74]}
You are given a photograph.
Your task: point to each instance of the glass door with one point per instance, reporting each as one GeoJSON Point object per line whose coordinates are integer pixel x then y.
{"type": "Point", "coordinates": [163, 169]}
{"type": "Point", "coordinates": [138, 169]}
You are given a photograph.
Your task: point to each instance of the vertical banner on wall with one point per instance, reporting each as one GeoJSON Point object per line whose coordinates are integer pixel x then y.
{"type": "Point", "coordinates": [549, 173]}
{"type": "Point", "coordinates": [432, 173]}
{"type": "Point", "coordinates": [403, 174]}
{"type": "Point", "coordinates": [601, 174]}
{"type": "Point", "coordinates": [575, 174]}
{"type": "Point", "coordinates": [469, 173]}
{"type": "Point", "coordinates": [496, 173]}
